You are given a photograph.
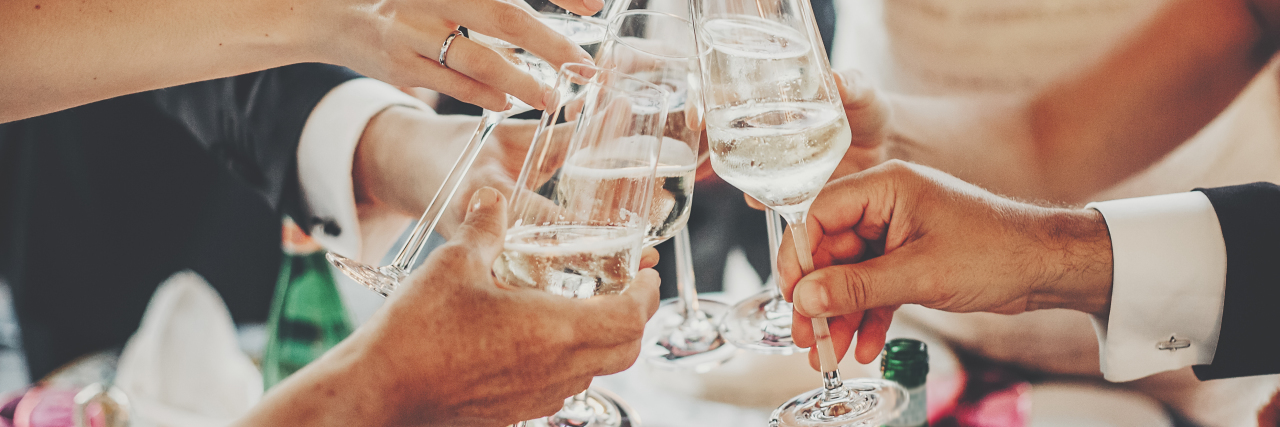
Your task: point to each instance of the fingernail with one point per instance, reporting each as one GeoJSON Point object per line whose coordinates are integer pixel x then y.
{"type": "Point", "coordinates": [484, 198]}
{"type": "Point", "coordinates": [811, 299]}
{"type": "Point", "coordinates": [595, 5]}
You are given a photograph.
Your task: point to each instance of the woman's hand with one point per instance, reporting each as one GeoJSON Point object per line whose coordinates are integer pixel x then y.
{"type": "Point", "coordinates": [399, 42]}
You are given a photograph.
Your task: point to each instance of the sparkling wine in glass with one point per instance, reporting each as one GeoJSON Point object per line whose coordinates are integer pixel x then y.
{"type": "Point", "coordinates": [587, 31]}
{"type": "Point", "coordinates": [581, 208]}
{"type": "Point", "coordinates": [777, 131]}
{"type": "Point", "coordinates": [659, 48]}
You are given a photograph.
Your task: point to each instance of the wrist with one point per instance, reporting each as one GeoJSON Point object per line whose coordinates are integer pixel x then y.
{"type": "Point", "coordinates": [403, 157]}
{"type": "Point", "coordinates": [273, 31]}
{"type": "Point", "coordinates": [1076, 270]}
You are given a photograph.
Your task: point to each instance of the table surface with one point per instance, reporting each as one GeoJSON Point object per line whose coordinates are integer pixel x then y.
{"type": "Point", "coordinates": [745, 390]}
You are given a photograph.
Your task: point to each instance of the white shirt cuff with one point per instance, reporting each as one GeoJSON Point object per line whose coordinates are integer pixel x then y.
{"type": "Point", "coordinates": [1169, 281]}
{"type": "Point", "coordinates": [326, 153]}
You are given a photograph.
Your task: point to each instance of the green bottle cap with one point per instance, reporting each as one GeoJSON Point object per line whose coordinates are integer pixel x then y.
{"type": "Point", "coordinates": [906, 361]}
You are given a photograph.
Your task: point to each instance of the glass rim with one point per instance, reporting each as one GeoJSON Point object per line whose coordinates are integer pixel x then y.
{"type": "Point", "coordinates": [617, 23]}
{"type": "Point", "coordinates": [577, 77]}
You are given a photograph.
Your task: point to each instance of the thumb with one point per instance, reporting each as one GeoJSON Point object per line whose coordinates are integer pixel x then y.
{"type": "Point", "coordinates": [850, 288]}
{"type": "Point", "coordinates": [486, 223]}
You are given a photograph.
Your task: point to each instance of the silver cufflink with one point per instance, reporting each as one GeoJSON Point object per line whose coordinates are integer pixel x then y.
{"type": "Point", "coordinates": [1173, 344]}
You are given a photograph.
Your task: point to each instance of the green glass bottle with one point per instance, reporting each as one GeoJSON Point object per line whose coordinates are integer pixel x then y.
{"type": "Point", "coordinates": [307, 316]}
{"type": "Point", "coordinates": [906, 361]}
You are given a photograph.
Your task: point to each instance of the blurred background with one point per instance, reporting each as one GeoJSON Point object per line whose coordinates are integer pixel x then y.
{"type": "Point", "coordinates": [100, 204]}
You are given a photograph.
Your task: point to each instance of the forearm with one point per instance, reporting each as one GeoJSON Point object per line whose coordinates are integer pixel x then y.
{"type": "Point", "coordinates": [56, 54]}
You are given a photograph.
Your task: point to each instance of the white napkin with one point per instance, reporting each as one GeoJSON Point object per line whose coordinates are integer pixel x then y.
{"type": "Point", "coordinates": [184, 368]}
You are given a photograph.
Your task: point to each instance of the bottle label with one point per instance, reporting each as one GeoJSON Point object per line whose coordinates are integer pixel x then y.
{"type": "Point", "coordinates": [916, 413]}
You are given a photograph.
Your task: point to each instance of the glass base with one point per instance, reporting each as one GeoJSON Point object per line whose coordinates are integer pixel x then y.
{"type": "Point", "coordinates": [760, 324]}
{"type": "Point", "coordinates": [860, 403]}
{"type": "Point", "coordinates": [602, 409]}
{"type": "Point", "coordinates": [673, 342]}
{"type": "Point", "coordinates": [382, 280]}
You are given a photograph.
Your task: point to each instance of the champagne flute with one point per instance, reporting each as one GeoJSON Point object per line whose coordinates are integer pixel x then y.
{"type": "Point", "coordinates": [777, 131]}
{"type": "Point", "coordinates": [587, 31]}
{"type": "Point", "coordinates": [581, 204]}
{"type": "Point", "coordinates": [762, 322]}
{"type": "Point", "coordinates": [659, 48]}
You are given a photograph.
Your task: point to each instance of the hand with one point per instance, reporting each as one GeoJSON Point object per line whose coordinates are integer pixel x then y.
{"type": "Point", "coordinates": [399, 41]}
{"type": "Point", "coordinates": [452, 347]}
{"type": "Point", "coordinates": [405, 153]}
{"type": "Point", "coordinates": [869, 112]}
{"type": "Point", "coordinates": [906, 234]}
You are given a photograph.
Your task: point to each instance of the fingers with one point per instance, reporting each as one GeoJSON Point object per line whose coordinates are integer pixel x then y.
{"type": "Point", "coordinates": [515, 25]}
{"type": "Point", "coordinates": [844, 289]}
{"type": "Point", "coordinates": [485, 225]}
{"type": "Point", "coordinates": [488, 67]}
{"type": "Point", "coordinates": [871, 333]}
{"type": "Point", "coordinates": [644, 293]}
{"type": "Point", "coordinates": [753, 203]}
{"type": "Point", "coordinates": [842, 331]}
{"type": "Point", "coordinates": [581, 7]}
{"type": "Point", "coordinates": [614, 324]}
{"type": "Point", "coordinates": [612, 320]}
{"type": "Point", "coordinates": [648, 258]}
{"type": "Point", "coordinates": [428, 73]}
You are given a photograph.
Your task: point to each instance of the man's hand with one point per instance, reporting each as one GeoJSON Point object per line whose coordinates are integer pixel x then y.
{"type": "Point", "coordinates": [404, 155]}
{"type": "Point", "coordinates": [906, 234]}
{"type": "Point", "coordinates": [451, 347]}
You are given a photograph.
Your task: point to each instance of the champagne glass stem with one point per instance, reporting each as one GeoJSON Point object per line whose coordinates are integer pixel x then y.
{"type": "Point", "coordinates": [435, 209]}
{"type": "Point", "coordinates": [821, 333]}
{"type": "Point", "coordinates": [685, 284]}
{"type": "Point", "coordinates": [775, 240]}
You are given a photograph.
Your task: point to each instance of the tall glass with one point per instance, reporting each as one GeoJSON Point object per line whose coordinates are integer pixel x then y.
{"type": "Point", "coordinates": [659, 48]}
{"type": "Point", "coordinates": [777, 131]}
{"type": "Point", "coordinates": [587, 31]}
{"type": "Point", "coordinates": [580, 209]}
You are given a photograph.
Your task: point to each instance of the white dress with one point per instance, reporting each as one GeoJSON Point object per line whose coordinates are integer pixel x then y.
{"type": "Point", "coordinates": [954, 47]}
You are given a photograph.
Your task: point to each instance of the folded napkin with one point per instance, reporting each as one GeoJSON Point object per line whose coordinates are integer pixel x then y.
{"type": "Point", "coordinates": [184, 367]}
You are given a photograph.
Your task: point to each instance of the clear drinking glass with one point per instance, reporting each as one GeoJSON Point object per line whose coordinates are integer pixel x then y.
{"type": "Point", "coordinates": [581, 206]}
{"type": "Point", "coordinates": [659, 48]}
{"type": "Point", "coordinates": [587, 31]}
{"type": "Point", "coordinates": [762, 322]}
{"type": "Point", "coordinates": [777, 131]}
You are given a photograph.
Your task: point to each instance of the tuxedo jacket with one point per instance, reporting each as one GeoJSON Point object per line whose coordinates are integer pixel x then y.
{"type": "Point", "coordinates": [1249, 340]}
{"type": "Point", "coordinates": [100, 203]}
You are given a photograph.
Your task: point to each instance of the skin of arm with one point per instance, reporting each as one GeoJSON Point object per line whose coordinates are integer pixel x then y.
{"type": "Point", "coordinates": [1090, 130]}
{"type": "Point", "coordinates": [56, 54]}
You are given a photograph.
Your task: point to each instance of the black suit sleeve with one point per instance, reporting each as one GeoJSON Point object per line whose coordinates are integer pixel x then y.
{"type": "Point", "coordinates": [1249, 341]}
{"type": "Point", "coordinates": [252, 124]}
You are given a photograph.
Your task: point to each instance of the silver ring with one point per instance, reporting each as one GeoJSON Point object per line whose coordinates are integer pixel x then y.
{"type": "Point", "coordinates": [444, 48]}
